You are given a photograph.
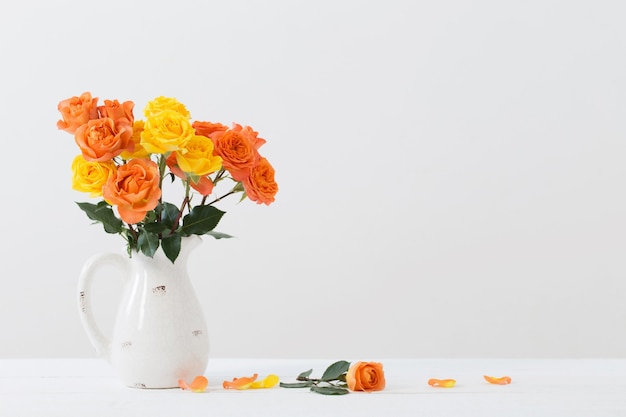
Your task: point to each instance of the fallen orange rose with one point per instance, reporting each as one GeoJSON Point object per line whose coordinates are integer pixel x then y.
{"type": "Point", "coordinates": [366, 376]}
{"type": "Point", "coordinates": [199, 384]}
{"type": "Point", "coordinates": [442, 383]}
{"type": "Point", "coordinates": [505, 380]}
{"type": "Point", "coordinates": [251, 382]}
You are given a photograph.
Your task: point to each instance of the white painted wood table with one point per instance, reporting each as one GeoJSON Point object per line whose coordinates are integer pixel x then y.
{"type": "Point", "coordinates": [539, 387]}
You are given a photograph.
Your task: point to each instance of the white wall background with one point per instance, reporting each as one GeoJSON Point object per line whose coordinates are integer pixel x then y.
{"type": "Point", "coordinates": [451, 172]}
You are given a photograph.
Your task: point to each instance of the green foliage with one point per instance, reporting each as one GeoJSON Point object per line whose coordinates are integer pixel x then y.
{"type": "Point", "coordinates": [201, 220]}
{"type": "Point", "coordinates": [306, 384]}
{"type": "Point", "coordinates": [335, 370]}
{"type": "Point", "coordinates": [163, 227]}
{"type": "Point", "coordinates": [305, 375]}
{"type": "Point", "coordinates": [169, 215]}
{"type": "Point", "coordinates": [148, 243]}
{"type": "Point", "coordinates": [103, 213]}
{"type": "Point", "coordinates": [332, 382]}
{"type": "Point", "coordinates": [329, 390]}
{"type": "Point", "coordinates": [218, 235]}
{"type": "Point", "coordinates": [171, 246]}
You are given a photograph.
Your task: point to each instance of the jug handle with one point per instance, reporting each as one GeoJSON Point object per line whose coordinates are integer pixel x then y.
{"type": "Point", "coordinates": [100, 342]}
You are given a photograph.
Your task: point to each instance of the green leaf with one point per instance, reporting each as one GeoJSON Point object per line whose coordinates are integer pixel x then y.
{"type": "Point", "coordinates": [169, 215]}
{"type": "Point", "coordinates": [194, 178]}
{"type": "Point", "coordinates": [171, 246]}
{"type": "Point", "coordinates": [88, 208]}
{"type": "Point", "coordinates": [304, 375]}
{"type": "Point", "coordinates": [335, 370]}
{"type": "Point", "coordinates": [104, 214]}
{"type": "Point", "coordinates": [201, 220]}
{"type": "Point", "coordinates": [218, 235]}
{"type": "Point", "coordinates": [155, 227]}
{"type": "Point", "coordinates": [296, 384]}
{"type": "Point", "coordinates": [329, 390]}
{"type": "Point", "coordinates": [148, 243]}
{"type": "Point", "coordinates": [130, 239]}
{"type": "Point", "coordinates": [150, 217]}
{"type": "Point", "coordinates": [238, 188]}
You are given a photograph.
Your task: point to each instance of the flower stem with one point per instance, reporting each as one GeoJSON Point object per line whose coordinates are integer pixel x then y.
{"type": "Point", "coordinates": [135, 235]}
{"type": "Point", "coordinates": [180, 214]}
{"type": "Point", "coordinates": [187, 190]}
{"type": "Point", "coordinates": [218, 177]}
{"type": "Point", "coordinates": [222, 197]}
{"type": "Point", "coordinates": [162, 160]}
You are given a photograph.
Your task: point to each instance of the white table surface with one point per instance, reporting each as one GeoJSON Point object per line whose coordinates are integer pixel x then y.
{"type": "Point", "coordinates": [540, 387]}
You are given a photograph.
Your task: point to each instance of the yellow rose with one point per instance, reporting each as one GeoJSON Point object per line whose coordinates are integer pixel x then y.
{"type": "Point", "coordinates": [139, 151]}
{"type": "Point", "coordinates": [90, 177]}
{"type": "Point", "coordinates": [197, 157]}
{"type": "Point", "coordinates": [159, 104]}
{"type": "Point", "coordinates": [166, 131]}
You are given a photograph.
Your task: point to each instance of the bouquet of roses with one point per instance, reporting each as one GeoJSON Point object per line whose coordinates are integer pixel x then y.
{"type": "Point", "coordinates": [125, 162]}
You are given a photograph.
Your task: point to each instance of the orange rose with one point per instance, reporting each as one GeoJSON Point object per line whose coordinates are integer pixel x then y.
{"type": "Point", "coordinates": [248, 132]}
{"type": "Point", "coordinates": [260, 185]}
{"type": "Point", "coordinates": [366, 376]}
{"type": "Point", "coordinates": [238, 148]}
{"type": "Point", "coordinates": [204, 185]}
{"type": "Point", "coordinates": [207, 128]}
{"type": "Point", "coordinates": [116, 111]}
{"type": "Point", "coordinates": [134, 189]}
{"type": "Point", "coordinates": [76, 111]}
{"type": "Point", "coordinates": [101, 140]}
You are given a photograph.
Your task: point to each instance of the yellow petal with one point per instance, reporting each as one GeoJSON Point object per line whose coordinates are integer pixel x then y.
{"type": "Point", "coordinates": [271, 380]}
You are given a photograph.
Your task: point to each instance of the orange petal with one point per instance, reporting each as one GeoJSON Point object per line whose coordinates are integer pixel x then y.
{"type": "Point", "coordinates": [199, 384]}
{"type": "Point", "coordinates": [505, 380]}
{"type": "Point", "coordinates": [240, 383]}
{"type": "Point", "coordinates": [442, 383]}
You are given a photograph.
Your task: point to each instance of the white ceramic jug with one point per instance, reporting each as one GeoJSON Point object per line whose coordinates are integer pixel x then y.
{"type": "Point", "coordinates": [160, 334]}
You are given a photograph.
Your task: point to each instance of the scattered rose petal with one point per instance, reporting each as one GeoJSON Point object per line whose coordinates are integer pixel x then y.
{"type": "Point", "coordinates": [268, 382]}
{"type": "Point", "coordinates": [251, 382]}
{"type": "Point", "coordinates": [240, 383]}
{"type": "Point", "coordinates": [199, 384]}
{"type": "Point", "coordinates": [505, 380]}
{"type": "Point", "coordinates": [442, 383]}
